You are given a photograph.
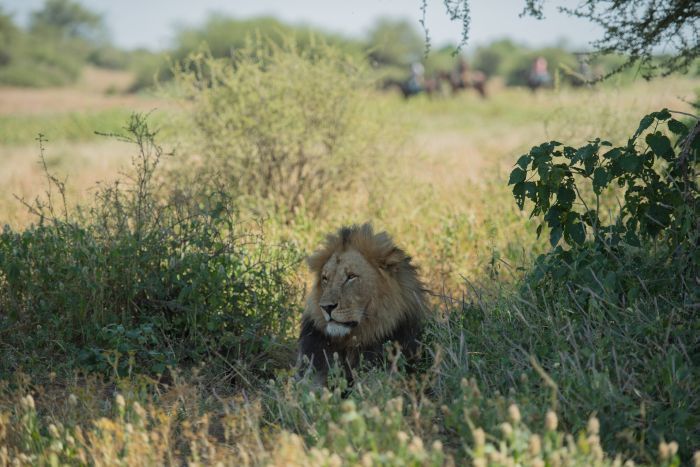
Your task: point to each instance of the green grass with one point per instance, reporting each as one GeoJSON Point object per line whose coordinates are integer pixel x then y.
{"type": "Point", "coordinates": [69, 126]}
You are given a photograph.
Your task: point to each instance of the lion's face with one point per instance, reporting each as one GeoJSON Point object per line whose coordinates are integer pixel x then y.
{"type": "Point", "coordinates": [347, 285]}
{"type": "Point", "coordinates": [364, 287]}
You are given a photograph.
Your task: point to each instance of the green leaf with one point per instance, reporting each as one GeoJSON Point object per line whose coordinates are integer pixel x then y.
{"type": "Point", "coordinates": [517, 176]}
{"type": "Point", "coordinates": [566, 196]}
{"type": "Point", "coordinates": [519, 194]}
{"type": "Point", "coordinates": [530, 190]}
{"type": "Point", "coordinates": [584, 153]}
{"type": "Point", "coordinates": [660, 144]}
{"type": "Point", "coordinates": [576, 231]}
{"type": "Point", "coordinates": [677, 127]}
{"type": "Point", "coordinates": [630, 162]}
{"type": "Point", "coordinates": [613, 154]}
{"type": "Point", "coordinates": [644, 124]}
{"type": "Point", "coordinates": [663, 114]}
{"type": "Point", "coordinates": [524, 161]}
{"type": "Point", "coordinates": [601, 177]}
{"type": "Point", "coordinates": [555, 236]}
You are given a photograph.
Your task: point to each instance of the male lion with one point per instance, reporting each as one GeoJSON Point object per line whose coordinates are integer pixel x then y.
{"type": "Point", "coordinates": [366, 293]}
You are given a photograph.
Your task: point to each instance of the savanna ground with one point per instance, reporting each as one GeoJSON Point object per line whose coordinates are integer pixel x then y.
{"type": "Point", "coordinates": [512, 375]}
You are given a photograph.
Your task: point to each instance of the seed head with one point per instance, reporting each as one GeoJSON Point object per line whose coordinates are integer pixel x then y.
{"type": "Point", "coordinates": [507, 429]}
{"type": "Point", "coordinates": [514, 413]}
{"type": "Point", "coordinates": [535, 445]}
{"type": "Point", "coordinates": [673, 448]}
{"type": "Point", "coordinates": [593, 426]}
{"type": "Point", "coordinates": [347, 406]}
{"type": "Point", "coordinates": [551, 421]}
{"type": "Point", "coordinates": [696, 459]}
{"type": "Point", "coordinates": [28, 402]}
{"type": "Point", "coordinates": [119, 400]}
{"type": "Point", "coordinates": [479, 437]}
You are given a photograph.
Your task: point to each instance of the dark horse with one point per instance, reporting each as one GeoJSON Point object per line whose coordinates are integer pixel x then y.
{"type": "Point", "coordinates": [409, 88]}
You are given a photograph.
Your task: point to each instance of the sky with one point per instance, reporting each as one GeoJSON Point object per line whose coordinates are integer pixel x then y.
{"type": "Point", "coordinates": [152, 23]}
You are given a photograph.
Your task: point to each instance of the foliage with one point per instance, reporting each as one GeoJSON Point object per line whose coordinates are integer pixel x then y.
{"type": "Point", "coordinates": [384, 421]}
{"type": "Point", "coordinates": [513, 61]}
{"type": "Point", "coordinates": [223, 37]}
{"type": "Point", "coordinates": [53, 52]}
{"type": "Point", "coordinates": [32, 60]}
{"type": "Point", "coordinates": [634, 29]}
{"type": "Point", "coordinates": [67, 19]}
{"type": "Point", "coordinates": [660, 202]}
{"type": "Point", "coordinates": [632, 365]}
{"type": "Point", "coordinates": [284, 125]}
{"type": "Point", "coordinates": [616, 269]}
{"type": "Point", "coordinates": [394, 43]}
{"type": "Point", "coordinates": [139, 280]}
{"type": "Point", "coordinates": [637, 29]}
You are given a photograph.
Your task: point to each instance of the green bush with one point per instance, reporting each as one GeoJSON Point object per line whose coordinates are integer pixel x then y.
{"type": "Point", "coordinates": [611, 313]}
{"type": "Point", "coordinates": [141, 279]}
{"type": "Point", "coordinates": [657, 218]}
{"type": "Point", "coordinates": [283, 125]}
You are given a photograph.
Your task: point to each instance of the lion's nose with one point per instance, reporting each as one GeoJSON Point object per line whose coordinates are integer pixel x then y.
{"type": "Point", "coordinates": [329, 308]}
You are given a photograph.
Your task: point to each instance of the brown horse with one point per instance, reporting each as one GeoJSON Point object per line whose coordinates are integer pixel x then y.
{"type": "Point", "coordinates": [463, 78]}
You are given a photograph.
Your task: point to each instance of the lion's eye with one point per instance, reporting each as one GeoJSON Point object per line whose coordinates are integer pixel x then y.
{"type": "Point", "coordinates": [324, 279]}
{"type": "Point", "coordinates": [350, 277]}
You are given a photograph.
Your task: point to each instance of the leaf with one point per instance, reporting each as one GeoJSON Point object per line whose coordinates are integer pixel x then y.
{"type": "Point", "coordinates": [644, 123]}
{"type": "Point", "coordinates": [524, 161]}
{"type": "Point", "coordinates": [663, 114]}
{"type": "Point", "coordinates": [613, 154]}
{"type": "Point", "coordinates": [566, 196]}
{"type": "Point", "coordinates": [677, 127]}
{"type": "Point", "coordinates": [630, 162]}
{"type": "Point", "coordinates": [660, 144]}
{"type": "Point", "coordinates": [576, 231]}
{"type": "Point", "coordinates": [584, 153]}
{"type": "Point", "coordinates": [601, 177]}
{"type": "Point", "coordinates": [519, 194]}
{"type": "Point", "coordinates": [530, 190]}
{"type": "Point", "coordinates": [554, 215]}
{"type": "Point", "coordinates": [517, 176]}
{"type": "Point", "coordinates": [555, 236]}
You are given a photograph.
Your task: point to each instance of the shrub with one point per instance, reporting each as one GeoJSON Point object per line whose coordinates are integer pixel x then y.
{"type": "Point", "coordinates": [610, 311]}
{"type": "Point", "coordinates": [658, 213]}
{"type": "Point", "coordinates": [143, 278]}
{"type": "Point", "coordinates": [289, 126]}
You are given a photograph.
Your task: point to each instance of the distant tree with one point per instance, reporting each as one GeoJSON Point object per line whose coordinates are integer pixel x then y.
{"type": "Point", "coordinates": [67, 18]}
{"type": "Point", "coordinates": [660, 36]}
{"type": "Point", "coordinates": [396, 43]}
{"type": "Point", "coordinates": [8, 35]}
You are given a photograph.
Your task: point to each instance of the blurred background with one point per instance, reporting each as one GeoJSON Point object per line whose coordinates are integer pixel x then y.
{"type": "Point", "coordinates": [52, 43]}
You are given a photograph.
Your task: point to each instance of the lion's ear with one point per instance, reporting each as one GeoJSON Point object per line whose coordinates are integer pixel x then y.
{"type": "Point", "coordinates": [316, 261]}
{"type": "Point", "coordinates": [395, 257]}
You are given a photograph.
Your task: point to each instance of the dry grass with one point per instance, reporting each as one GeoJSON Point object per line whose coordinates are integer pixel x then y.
{"type": "Point", "coordinates": [90, 94]}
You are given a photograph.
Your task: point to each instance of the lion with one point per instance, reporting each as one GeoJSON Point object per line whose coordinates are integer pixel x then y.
{"type": "Point", "coordinates": [366, 292]}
